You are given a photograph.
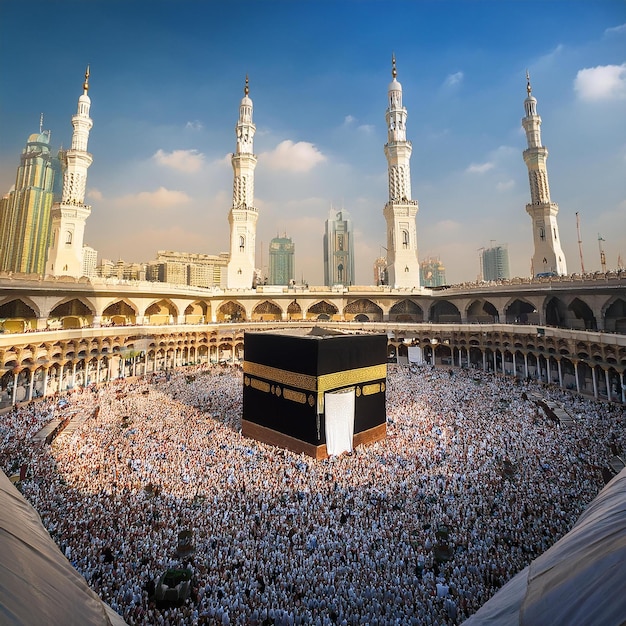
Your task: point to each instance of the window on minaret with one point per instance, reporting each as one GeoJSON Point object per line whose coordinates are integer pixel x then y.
{"type": "Point", "coordinates": [405, 239]}
{"type": "Point", "coordinates": [542, 234]}
{"type": "Point", "coordinates": [68, 238]}
{"type": "Point", "coordinates": [340, 242]}
{"type": "Point", "coordinates": [242, 243]}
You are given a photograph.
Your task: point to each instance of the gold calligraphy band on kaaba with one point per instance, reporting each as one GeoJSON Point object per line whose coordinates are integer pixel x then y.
{"type": "Point", "coordinates": [322, 383]}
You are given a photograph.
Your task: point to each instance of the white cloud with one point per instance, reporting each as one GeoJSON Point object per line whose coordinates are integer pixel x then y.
{"type": "Point", "coordinates": [194, 125]}
{"type": "Point", "coordinates": [505, 185]}
{"type": "Point", "coordinates": [616, 30]}
{"type": "Point", "coordinates": [94, 194]}
{"type": "Point", "coordinates": [448, 226]}
{"type": "Point", "coordinates": [366, 128]}
{"type": "Point", "coordinates": [480, 168]}
{"type": "Point", "coordinates": [453, 79]}
{"type": "Point", "coordinates": [604, 82]}
{"type": "Point", "coordinates": [162, 198]}
{"type": "Point", "coordinates": [293, 157]}
{"type": "Point", "coordinates": [349, 120]}
{"type": "Point", "coordinates": [188, 161]}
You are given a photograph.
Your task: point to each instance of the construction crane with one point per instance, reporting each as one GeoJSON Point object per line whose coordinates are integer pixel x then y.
{"type": "Point", "coordinates": [580, 244]}
{"type": "Point", "coordinates": [602, 255]}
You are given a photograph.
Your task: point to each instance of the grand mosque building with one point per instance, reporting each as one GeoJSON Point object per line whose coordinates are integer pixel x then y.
{"type": "Point", "coordinates": [62, 330]}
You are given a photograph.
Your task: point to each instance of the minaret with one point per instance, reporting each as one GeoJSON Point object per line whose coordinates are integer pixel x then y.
{"type": "Point", "coordinates": [243, 216]}
{"type": "Point", "coordinates": [548, 256]}
{"type": "Point", "coordinates": [400, 210]}
{"type": "Point", "coordinates": [65, 256]}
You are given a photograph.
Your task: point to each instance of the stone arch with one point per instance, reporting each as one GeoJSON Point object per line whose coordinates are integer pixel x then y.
{"type": "Point", "coordinates": [322, 310]}
{"type": "Point", "coordinates": [294, 311]}
{"type": "Point", "coordinates": [71, 313]}
{"type": "Point", "coordinates": [483, 312]}
{"type": "Point", "coordinates": [520, 311]}
{"type": "Point", "coordinates": [161, 312]}
{"type": "Point", "coordinates": [197, 312]}
{"type": "Point", "coordinates": [406, 311]}
{"type": "Point", "coordinates": [365, 309]}
{"type": "Point", "coordinates": [556, 312]}
{"type": "Point", "coordinates": [16, 316]}
{"type": "Point", "coordinates": [444, 312]}
{"type": "Point", "coordinates": [231, 311]}
{"type": "Point", "coordinates": [615, 315]}
{"type": "Point", "coordinates": [583, 313]}
{"type": "Point", "coordinates": [267, 311]}
{"type": "Point", "coordinates": [119, 313]}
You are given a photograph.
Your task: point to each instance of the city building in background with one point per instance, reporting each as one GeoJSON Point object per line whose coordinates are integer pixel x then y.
{"type": "Point", "coordinates": [243, 217]}
{"type": "Point", "coordinates": [400, 210]}
{"type": "Point", "coordinates": [90, 261]}
{"type": "Point", "coordinates": [548, 257]}
{"type": "Point", "coordinates": [25, 209]}
{"type": "Point", "coordinates": [380, 271]}
{"type": "Point", "coordinates": [65, 256]}
{"type": "Point", "coordinates": [282, 261]}
{"type": "Point", "coordinates": [121, 270]}
{"type": "Point", "coordinates": [338, 249]}
{"type": "Point", "coordinates": [185, 268]}
{"type": "Point", "coordinates": [432, 272]}
{"type": "Point", "coordinates": [495, 263]}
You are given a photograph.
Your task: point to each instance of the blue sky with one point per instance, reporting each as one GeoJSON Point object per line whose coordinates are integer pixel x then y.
{"type": "Point", "coordinates": [167, 79]}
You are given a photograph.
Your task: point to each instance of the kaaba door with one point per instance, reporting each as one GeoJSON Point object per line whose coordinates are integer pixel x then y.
{"type": "Point", "coordinates": [339, 418]}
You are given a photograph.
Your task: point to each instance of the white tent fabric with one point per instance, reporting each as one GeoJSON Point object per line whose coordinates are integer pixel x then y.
{"type": "Point", "coordinates": [38, 585]}
{"type": "Point", "coordinates": [416, 355]}
{"type": "Point", "coordinates": [339, 415]}
{"type": "Point", "coordinates": [579, 580]}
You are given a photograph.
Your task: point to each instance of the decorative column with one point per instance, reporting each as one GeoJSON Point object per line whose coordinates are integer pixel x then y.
{"type": "Point", "coordinates": [576, 376]}
{"type": "Point", "coordinates": [484, 360]}
{"type": "Point", "coordinates": [608, 384]}
{"type": "Point", "coordinates": [558, 364]}
{"type": "Point", "coordinates": [16, 373]}
{"type": "Point", "coordinates": [514, 366]}
{"type": "Point", "coordinates": [526, 365]}
{"type": "Point", "coordinates": [44, 389]}
{"type": "Point", "coordinates": [32, 383]}
{"type": "Point", "coordinates": [595, 382]}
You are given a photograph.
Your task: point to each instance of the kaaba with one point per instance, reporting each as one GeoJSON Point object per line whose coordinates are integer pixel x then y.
{"type": "Point", "coordinates": [316, 391]}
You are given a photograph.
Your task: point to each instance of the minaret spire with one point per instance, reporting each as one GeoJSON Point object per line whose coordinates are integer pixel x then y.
{"type": "Point", "coordinates": [65, 256]}
{"type": "Point", "coordinates": [86, 83]}
{"type": "Point", "coordinates": [400, 210]}
{"type": "Point", "coordinates": [548, 257]}
{"type": "Point", "coordinates": [243, 216]}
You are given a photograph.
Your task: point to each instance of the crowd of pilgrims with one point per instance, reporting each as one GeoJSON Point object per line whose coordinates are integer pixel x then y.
{"type": "Point", "coordinates": [471, 484]}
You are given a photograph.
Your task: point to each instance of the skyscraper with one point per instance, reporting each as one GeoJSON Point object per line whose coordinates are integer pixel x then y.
{"type": "Point", "coordinates": [338, 249]}
{"type": "Point", "coordinates": [282, 268]}
{"type": "Point", "coordinates": [65, 256]}
{"type": "Point", "coordinates": [243, 216]}
{"type": "Point", "coordinates": [380, 271]}
{"type": "Point", "coordinates": [495, 263]}
{"type": "Point", "coordinates": [25, 210]}
{"type": "Point", "coordinates": [400, 210]}
{"type": "Point", "coordinates": [548, 257]}
{"type": "Point", "coordinates": [90, 261]}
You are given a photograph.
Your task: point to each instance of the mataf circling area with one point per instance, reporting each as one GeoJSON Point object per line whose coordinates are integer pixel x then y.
{"type": "Point", "coordinates": [471, 484]}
